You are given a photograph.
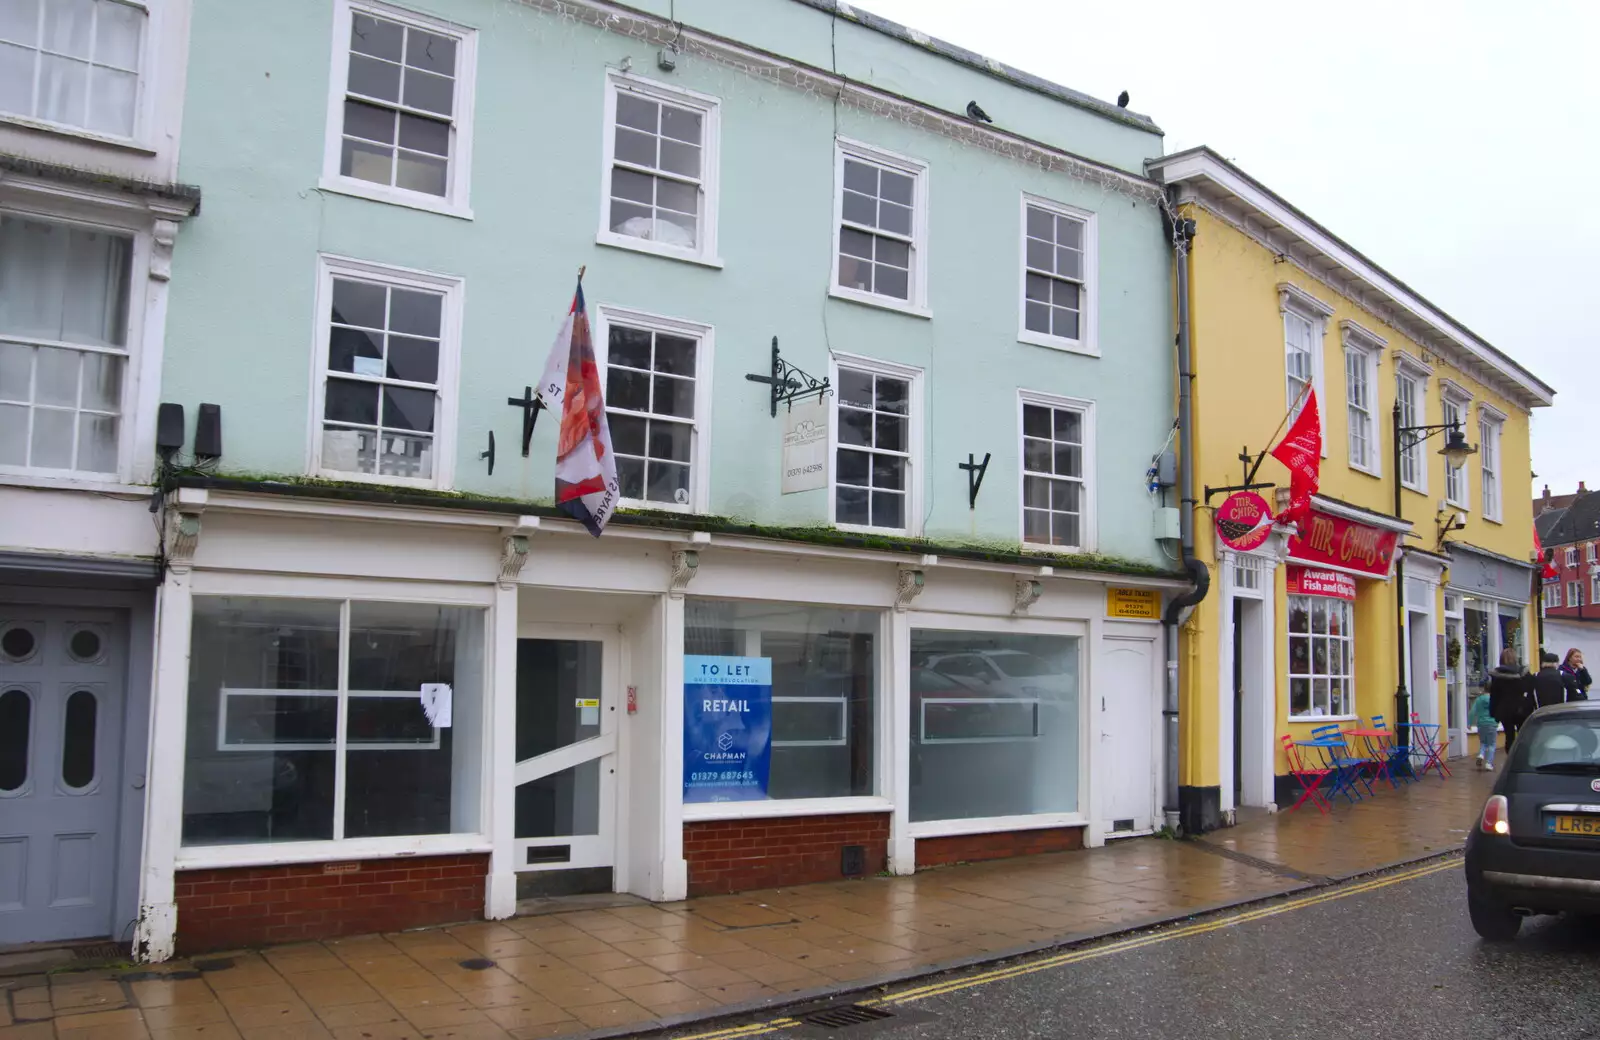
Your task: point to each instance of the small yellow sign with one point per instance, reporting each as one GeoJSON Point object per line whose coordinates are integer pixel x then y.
{"type": "Point", "coordinates": [1133, 603]}
{"type": "Point", "coordinates": [585, 702]}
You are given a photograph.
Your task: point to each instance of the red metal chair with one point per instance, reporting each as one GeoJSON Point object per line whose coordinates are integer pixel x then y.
{"type": "Point", "coordinates": [1431, 745]}
{"type": "Point", "coordinates": [1310, 780]}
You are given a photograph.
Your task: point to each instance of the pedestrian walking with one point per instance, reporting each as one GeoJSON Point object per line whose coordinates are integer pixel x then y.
{"type": "Point", "coordinates": [1488, 729]}
{"type": "Point", "coordinates": [1550, 686]}
{"type": "Point", "coordinates": [1510, 694]}
{"type": "Point", "coordinates": [1578, 680]}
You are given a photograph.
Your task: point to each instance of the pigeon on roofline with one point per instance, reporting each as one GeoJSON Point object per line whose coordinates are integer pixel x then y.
{"type": "Point", "coordinates": [974, 112]}
{"type": "Point", "coordinates": [1122, 99]}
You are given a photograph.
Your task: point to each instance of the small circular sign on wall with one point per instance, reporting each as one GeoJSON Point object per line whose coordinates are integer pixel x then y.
{"type": "Point", "coordinates": [1243, 521]}
{"type": "Point", "coordinates": [1594, 785]}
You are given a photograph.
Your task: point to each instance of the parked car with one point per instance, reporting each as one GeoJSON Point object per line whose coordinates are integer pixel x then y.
{"type": "Point", "coordinates": [1536, 849]}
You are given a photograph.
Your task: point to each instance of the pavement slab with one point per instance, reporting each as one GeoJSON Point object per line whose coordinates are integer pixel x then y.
{"type": "Point", "coordinates": [611, 967]}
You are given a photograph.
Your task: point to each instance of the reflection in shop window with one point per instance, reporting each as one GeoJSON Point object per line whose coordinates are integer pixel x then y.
{"type": "Point", "coordinates": [1321, 657]}
{"type": "Point", "coordinates": [994, 725]}
{"type": "Point", "coordinates": [824, 687]}
{"type": "Point", "coordinates": [277, 720]}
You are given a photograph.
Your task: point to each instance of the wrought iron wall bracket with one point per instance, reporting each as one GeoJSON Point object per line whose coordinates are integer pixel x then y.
{"type": "Point", "coordinates": [975, 471]}
{"type": "Point", "coordinates": [789, 384]}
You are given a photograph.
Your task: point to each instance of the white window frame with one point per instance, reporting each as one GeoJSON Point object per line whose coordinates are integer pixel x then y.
{"type": "Point", "coordinates": [1453, 396]}
{"type": "Point", "coordinates": [142, 139]}
{"type": "Point", "coordinates": [1552, 594]}
{"type": "Point", "coordinates": [444, 432]}
{"type": "Point", "coordinates": [1594, 586]}
{"type": "Point", "coordinates": [1570, 556]}
{"type": "Point", "coordinates": [917, 170]}
{"type": "Point", "coordinates": [1590, 553]}
{"type": "Point", "coordinates": [1409, 368]}
{"type": "Point", "coordinates": [1491, 425]}
{"type": "Point", "coordinates": [704, 336]}
{"type": "Point", "coordinates": [456, 201]}
{"type": "Point", "coordinates": [1088, 341]}
{"type": "Point", "coordinates": [141, 378]}
{"type": "Point", "coordinates": [914, 481]}
{"type": "Point", "coordinates": [710, 109]}
{"type": "Point", "coordinates": [1365, 348]}
{"type": "Point", "coordinates": [1088, 526]}
{"type": "Point", "coordinates": [336, 743]}
{"type": "Point", "coordinates": [1574, 593]}
{"type": "Point", "coordinates": [1294, 300]}
{"type": "Point", "coordinates": [1348, 636]}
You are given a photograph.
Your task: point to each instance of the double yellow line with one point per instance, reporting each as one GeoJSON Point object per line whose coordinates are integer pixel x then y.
{"type": "Point", "coordinates": [1078, 956]}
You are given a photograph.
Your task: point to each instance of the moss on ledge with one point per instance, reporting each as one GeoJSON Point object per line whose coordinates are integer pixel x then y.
{"type": "Point", "coordinates": [988, 551]}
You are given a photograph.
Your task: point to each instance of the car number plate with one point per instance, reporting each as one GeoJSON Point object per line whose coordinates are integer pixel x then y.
{"type": "Point", "coordinates": [1577, 826]}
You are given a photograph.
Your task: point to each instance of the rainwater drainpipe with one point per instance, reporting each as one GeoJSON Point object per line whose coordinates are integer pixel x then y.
{"type": "Point", "coordinates": [1182, 231]}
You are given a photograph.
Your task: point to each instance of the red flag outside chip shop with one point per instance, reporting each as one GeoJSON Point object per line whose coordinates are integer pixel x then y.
{"type": "Point", "coordinates": [1301, 451]}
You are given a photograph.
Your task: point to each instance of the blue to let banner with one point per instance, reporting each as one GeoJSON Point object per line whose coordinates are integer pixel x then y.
{"type": "Point", "coordinates": [727, 728]}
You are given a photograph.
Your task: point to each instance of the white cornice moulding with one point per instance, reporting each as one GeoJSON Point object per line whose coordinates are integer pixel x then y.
{"type": "Point", "coordinates": [1358, 335]}
{"type": "Point", "coordinates": [1291, 295]}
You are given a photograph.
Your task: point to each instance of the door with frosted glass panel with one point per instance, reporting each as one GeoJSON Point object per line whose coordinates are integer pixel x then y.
{"type": "Point", "coordinates": [566, 747]}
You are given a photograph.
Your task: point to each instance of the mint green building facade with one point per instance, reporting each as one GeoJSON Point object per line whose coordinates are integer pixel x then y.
{"type": "Point", "coordinates": [398, 200]}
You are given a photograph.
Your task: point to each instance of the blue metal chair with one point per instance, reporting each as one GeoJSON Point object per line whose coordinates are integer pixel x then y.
{"type": "Point", "coordinates": [1399, 757]}
{"type": "Point", "coordinates": [1348, 770]}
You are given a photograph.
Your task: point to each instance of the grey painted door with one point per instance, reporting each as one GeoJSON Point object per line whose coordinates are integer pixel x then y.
{"type": "Point", "coordinates": [61, 717]}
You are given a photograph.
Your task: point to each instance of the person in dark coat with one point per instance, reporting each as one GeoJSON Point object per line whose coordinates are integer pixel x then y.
{"type": "Point", "coordinates": [1550, 686]}
{"type": "Point", "coordinates": [1510, 694]}
{"type": "Point", "coordinates": [1578, 680]}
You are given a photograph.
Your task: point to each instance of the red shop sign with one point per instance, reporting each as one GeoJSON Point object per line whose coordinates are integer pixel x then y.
{"type": "Point", "coordinates": [1308, 581]}
{"type": "Point", "coordinates": [1244, 521]}
{"type": "Point", "coordinates": [1329, 539]}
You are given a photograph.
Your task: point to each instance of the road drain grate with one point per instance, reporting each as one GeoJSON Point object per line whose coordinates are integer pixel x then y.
{"type": "Point", "coordinates": [844, 1015]}
{"type": "Point", "coordinates": [99, 952]}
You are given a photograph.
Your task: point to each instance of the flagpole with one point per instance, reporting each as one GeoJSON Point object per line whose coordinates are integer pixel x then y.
{"type": "Point", "coordinates": [1298, 401]}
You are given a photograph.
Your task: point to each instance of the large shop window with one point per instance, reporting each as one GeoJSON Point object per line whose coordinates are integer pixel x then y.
{"type": "Point", "coordinates": [824, 688]}
{"type": "Point", "coordinates": [1321, 657]}
{"type": "Point", "coordinates": [994, 725]}
{"type": "Point", "coordinates": [306, 721]}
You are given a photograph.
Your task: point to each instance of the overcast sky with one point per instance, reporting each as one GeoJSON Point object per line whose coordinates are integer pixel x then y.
{"type": "Point", "coordinates": [1459, 150]}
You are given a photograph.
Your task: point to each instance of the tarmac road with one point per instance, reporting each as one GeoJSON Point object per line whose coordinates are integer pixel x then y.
{"type": "Point", "coordinates": [1390, 957]}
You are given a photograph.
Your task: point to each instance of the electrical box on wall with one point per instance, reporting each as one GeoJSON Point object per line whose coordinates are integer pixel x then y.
{"type": "Point", "coordinates": [1164, 524]}
{"type": "Point", "coordinates": [1167, 469]}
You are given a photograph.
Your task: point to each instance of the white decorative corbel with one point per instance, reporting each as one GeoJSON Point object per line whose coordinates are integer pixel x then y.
{"type": "Point", "coordinates": [514, 550]}
{"type": "Point", "coordinates": [184, 507]}
{"type": "Point", "coordinates": [685, 565]}
{"type": "Point", "coordinates": [163, 235]}
{"type": "Point", "coordinates": [909, 587]}
{"type": "Point", "coordinates": [1027, 594]}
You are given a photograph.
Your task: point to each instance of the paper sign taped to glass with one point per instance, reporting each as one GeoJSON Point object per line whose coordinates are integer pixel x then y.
{"type": "Point", "coordinates": [436, 697]}
{"type": "Point", "coordinates": [727, 728]}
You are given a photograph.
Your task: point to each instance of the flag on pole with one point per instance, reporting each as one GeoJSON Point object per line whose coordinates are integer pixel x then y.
{"type": "Point", "coordinates": [586, 471]}
{"type": "Point", "coordinates": [1301, 451]}
{"type": "Point", "coordinates": [1547, 569]}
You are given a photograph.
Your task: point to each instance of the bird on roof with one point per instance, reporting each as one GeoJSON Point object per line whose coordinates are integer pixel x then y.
{"type": "Point", "coordinates": [1122, 99]}
{"type": "Point", "coordinates": [974, 112]}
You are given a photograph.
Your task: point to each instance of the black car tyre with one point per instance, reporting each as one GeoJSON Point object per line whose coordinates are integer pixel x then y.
{"type": "Point", "coordinates": [1491, 921]}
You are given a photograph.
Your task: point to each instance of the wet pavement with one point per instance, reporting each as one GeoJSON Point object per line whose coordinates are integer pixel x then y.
{"type": "Point", "coordinates": [1395, 959]}
{"type": "Point", "coordinates": [631, 966]}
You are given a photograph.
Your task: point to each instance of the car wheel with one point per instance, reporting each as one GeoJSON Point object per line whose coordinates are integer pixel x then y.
{"type": "Point", "coordinates": [1490, 920]}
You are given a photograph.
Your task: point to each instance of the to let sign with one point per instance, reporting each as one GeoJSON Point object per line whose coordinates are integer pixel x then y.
{"type": "Point", "coordinates": [1333, 540]}
{"type": "Point", "coordinates": [1309, 581]}
{"type": "Point", "coordinates": [1140, 604]}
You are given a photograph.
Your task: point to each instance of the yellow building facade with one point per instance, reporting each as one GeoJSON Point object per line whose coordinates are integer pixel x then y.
{"type": "Point", "coordinates": [1298, 632]}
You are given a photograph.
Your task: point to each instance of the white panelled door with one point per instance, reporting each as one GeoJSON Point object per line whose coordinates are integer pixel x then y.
{"type": "Point", "coordinates": [61, 700]}
{"type": "Point", "coordinates": [1127, 698]}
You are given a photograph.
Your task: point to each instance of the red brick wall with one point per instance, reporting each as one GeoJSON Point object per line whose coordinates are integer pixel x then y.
{"type": "Point", "coordinates": [737, 855]}
{"type": "Point", "coordinates": [969, 848]}
{"type": "Point", "coordinates": [254, 906]}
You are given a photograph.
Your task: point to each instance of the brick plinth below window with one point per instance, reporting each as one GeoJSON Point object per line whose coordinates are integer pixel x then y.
{"type": "Point", "coordinates": [970, 848]}
{"type": "Point", "coordinates": [255, 906]}
{"type": "Point", "coordinates": [738, 855]}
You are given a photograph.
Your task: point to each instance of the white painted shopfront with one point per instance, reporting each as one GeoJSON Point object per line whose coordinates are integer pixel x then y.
{"type": "Point", "coordinates": [950, 697]}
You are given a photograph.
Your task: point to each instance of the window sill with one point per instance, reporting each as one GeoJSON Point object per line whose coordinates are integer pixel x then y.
{"type": "Point", "coordinates": [1493, 520]}
{"type": "Point", "coordinates": [658, 507]}
{"type": "Point", "coordinates": [1068, 346]}
{"type": "Point", "coordinates": [644, 245]}
{"type": "Point", "coordinates": [1375, 474]}
{"type": "Point", "coordinates": [1458, 505]}
{"type": "Point", "coordinates": [393, 196]}
{"type": "Point", "coordinates": [753, 810]}
{"type": "Point", "coordinates": [1297, 720]}
{"type": "Point", "coordinates": [1053, 550]}
{"type": "Point", "coordinates": [267, 854]}
{"type": "Point", "coordinates": [126, 144]}
{"type": "Point", "coordinates": [994, 824]}
{"type": "Point", "coordinates": [1421, 489]}
{"type": "Point", "coordinates": [884, 532]}
{"type": "Point", "coordinates": [377, 480]}
{"type": "Point", "coordinates": [887, 303]}
{"type": "Point", "coordinates": [100, 485]}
